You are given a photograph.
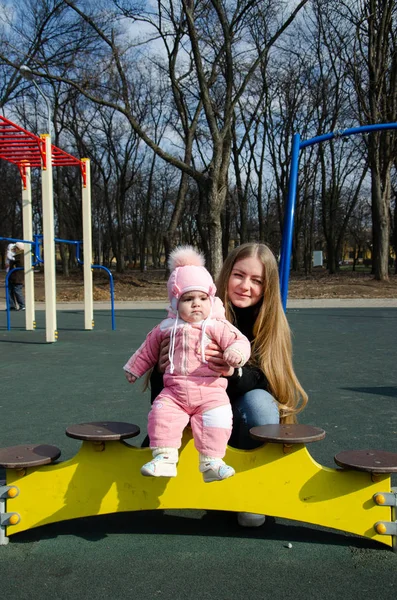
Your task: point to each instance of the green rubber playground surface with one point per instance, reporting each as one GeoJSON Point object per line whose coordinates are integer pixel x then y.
{"type": "Point", "coordinates": [345, 359]}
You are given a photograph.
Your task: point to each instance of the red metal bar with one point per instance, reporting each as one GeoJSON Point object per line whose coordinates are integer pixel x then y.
{"type": "Point", "coordinates": [18, 144]}
{"type": "Point", "coordinates": [83, 166]}
{"type": "Point", "coordinates": [22, 169]}
{"type": "Point", "coordinates": [43, 154]}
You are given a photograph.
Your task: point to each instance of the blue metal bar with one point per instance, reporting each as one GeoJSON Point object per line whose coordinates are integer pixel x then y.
{"type": "Point", "coordinates": [346, 132]}
{"type": "Point", "coordinates": [285, 257]}
{"type": "Point", "coordinates": [79, 261]}
{"type": "Point", "coordinates": [6, 239]}
{"type": "Point", "coordinates": [37, 238]}
{"type": "Point", "coordinates": [57, 241]}
{"type": "Point", "coordinates": [16, 240]}
{"type": "Point", "coordinates": [111, 291]}
{"type": "Point", "coordinates": [286, 243]}
{"type": "Point", "coordinates": [111, 281]}
{"type": "Point", "coordinates": [60, 241]}
{"type": "Point", "coordinates": [7, 297]}
{"type": "Point", "coordinates": [36, 246]}
{"type": "Point", "coordinates": [76, 243]}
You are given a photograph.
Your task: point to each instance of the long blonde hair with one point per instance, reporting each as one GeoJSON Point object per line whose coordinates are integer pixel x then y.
{"type": "Point", "coordinates": [272, 346]}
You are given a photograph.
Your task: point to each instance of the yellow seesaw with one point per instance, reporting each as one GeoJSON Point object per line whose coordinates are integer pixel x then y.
{"type": "Point", "coordinates": [280, 479]}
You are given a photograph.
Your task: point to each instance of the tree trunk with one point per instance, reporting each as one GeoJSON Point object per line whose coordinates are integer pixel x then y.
{"type": "Point", "coordinates": [169, 236]}
{"type": "Point", "coordinates": [215, 243]}
{"type": "Point", "coordinates": [61, 224]}
{"type": "Point", "coordinates": [144, 238]}
{"type": "Point", "coordinates": [216, 194]}
{"type": "Point", "coordinates": [332, 262]}
{"type": "Point", "coordinates": [226, 224]}
{"type": "Point", "coordinates": [395, 233]}
{"type": "Point", "coordinates": [380, 225]}
{"type": "Point", "coordinates": [242, 199]}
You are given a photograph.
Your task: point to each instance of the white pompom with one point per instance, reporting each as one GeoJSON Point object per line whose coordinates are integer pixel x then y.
{"type": "Point", "coordinates": [183, 256]}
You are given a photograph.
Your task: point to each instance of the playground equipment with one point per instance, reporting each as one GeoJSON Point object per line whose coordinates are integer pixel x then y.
{"type": "Point", "coordinates": [26, 150]}
{"type": "Point", "coordinates": [29, 287]}
{"type": "Point", "coordinates": [36, 251]}
{"type": "Point", "coordinates": [297, 146]}
{"type": "Point", "coordinates": [78, 244]}
{"type": "Point", "coordinates": [280, 478]}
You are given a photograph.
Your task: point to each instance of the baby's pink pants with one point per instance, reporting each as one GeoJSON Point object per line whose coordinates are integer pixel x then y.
{"type": "Point", "coordinates": [203, 401]}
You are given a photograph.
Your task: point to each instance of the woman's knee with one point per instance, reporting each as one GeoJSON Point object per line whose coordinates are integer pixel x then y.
{"type": "Point", "coordinates": [258, 407]}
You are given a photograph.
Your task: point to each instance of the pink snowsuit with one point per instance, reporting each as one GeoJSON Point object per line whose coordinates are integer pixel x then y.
{"type": "Point", "coordinates": [193, 391]}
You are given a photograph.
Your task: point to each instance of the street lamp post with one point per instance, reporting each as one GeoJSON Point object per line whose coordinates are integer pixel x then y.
{"type": "Point", "coordinates": [27, 74]}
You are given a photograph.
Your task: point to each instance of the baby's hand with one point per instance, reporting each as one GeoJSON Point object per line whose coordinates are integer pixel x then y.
{"type": "Point", "coordinates": [233, 357]}
{"type": "Point", "coordinates": [130, 378]}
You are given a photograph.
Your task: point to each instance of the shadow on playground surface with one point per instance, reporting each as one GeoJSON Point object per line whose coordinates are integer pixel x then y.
{"type": "Point", "coordinates": [345, 359]}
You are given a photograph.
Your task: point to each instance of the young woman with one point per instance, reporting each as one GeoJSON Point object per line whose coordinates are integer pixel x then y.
{"type": "Point", "coordinates": [266, 390]}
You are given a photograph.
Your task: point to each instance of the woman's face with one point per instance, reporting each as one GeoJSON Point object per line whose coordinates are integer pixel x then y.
{"type": "Point", "coordinates": [245, 287]}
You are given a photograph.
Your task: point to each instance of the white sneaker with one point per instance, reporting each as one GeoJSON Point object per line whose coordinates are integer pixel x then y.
{"type": "Point", "coordinates": [215, 470]}
{"type": "Point", "coordinates": [162, 465]}
{"type": "Point", "coordinates": [246, 519]}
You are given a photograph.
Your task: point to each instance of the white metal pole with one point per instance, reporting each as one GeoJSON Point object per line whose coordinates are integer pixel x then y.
{"type": "Point", "coordinates": [48, 242]}
{"type": "Point", "coordinates": [87, 245]}
{"type": "Point", "coordinates": [28, 235]}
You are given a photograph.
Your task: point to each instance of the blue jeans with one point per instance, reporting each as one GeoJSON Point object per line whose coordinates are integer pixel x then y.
{"type": "Point", "coordinates": [254, 408]}
{"type": "Point", "coordinates": [15, 295]}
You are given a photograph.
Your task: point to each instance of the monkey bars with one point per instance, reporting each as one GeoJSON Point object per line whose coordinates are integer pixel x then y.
{"type": "Point", "coordinates": [18, 146]}
{"type": "Point", "coordinates": [25, 150]}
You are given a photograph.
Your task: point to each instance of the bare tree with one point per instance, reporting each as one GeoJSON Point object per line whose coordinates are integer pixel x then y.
{"type": "Point", "coordinates": [215, 43]}
{"type": "Point", "coordinates": [371, 57]}
{"type": "Point", "coordinates": [10, 205]}
{"type": "Point", "coordinates": [393, 219]}
{"type": "Point", "coordinates": [289, 109]}
{"type": "Point", "coordinates": [359, 229]}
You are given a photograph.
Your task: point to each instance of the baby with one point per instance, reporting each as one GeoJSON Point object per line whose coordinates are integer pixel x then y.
{"type": "Point", "coordinates": [192, 391]}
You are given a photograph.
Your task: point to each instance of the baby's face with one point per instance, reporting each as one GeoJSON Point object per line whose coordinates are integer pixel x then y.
{"type": "Point", "coordinates": [194, 306]}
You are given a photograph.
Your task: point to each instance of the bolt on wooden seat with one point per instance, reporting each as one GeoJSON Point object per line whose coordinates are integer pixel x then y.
{"type": "Point", "coordinates": [102, 431]}
{"type": "Point", "coordinates": [34, 455]}
{"type": "Point", "coordinates": [287, 434]}
{"type": "Point", "coordinates": [371, 461]}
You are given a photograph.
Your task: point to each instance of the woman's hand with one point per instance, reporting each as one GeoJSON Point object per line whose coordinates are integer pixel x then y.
{"type": "Point", "coordinates": [164, 360]}
{"type": "Point", "coordinates": [215, 360]}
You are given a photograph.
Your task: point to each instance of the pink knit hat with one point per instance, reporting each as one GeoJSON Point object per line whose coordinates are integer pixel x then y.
{"type": "Point", "coordinates": [188, 274]}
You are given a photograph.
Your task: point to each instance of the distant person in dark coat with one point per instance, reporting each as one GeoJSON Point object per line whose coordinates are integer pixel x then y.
{"type": "Point", "coordinates": [15, 281]}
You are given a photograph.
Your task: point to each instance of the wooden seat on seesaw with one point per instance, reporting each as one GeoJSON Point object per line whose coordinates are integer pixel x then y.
{"type": "Point", "coordinates": [102, 431]}
{"type": "Point", "coordinates": [287, 434]}
{"type": "Point", "coordinates": [371, 461]}
{"type": "Point", "coordinates": [34, 455]}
